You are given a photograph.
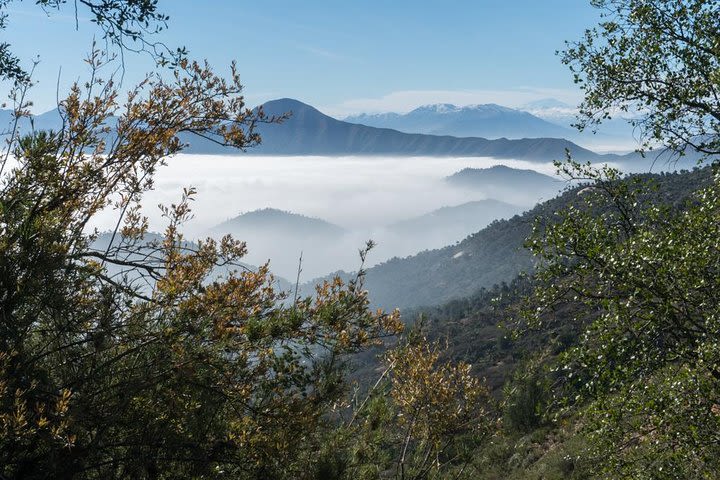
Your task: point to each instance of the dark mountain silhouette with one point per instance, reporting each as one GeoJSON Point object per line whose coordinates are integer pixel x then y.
{"type": "Point", "coordinates": [310, 132]}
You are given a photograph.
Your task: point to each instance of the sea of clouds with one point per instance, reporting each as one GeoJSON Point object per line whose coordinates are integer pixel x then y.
{"type": "Point", "coordinates": [353, 192]}
{"type": "Point", "coordinates": [360, 194]}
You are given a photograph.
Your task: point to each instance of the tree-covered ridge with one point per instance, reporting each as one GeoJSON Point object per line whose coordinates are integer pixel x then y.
{"type": "Point", "coordinates": [605, 347]}
{"type": "Point", "coordinates": [491, 256]}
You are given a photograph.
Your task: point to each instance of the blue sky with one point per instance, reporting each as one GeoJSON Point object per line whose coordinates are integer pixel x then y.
{"type": "Point", "coordinates": [341, 56]}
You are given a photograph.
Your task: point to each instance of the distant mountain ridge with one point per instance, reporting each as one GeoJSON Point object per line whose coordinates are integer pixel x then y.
{"type": "Point", "coordinates": [500, 174]}
{"type": "Point", "coordinates": [281, 237]}
{"type": "Point", "coordinates": [452, 223]}
{"type": "Point", "coordinates": [501, 181]}
{"type": "Point", "coordinates": [310, 132]}
{"type": "Point", "coordinates": [50, 120]}
{"type": "Point", "coordinates": [489, 121]}
{"type": "Point", "coordinates": [547, 117]}
{"type": "Point", "coordinates": [279, 222]}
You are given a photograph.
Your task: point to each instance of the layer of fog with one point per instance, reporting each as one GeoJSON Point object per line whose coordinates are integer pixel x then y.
{"type": "Point", "coordinates": [363, 195]}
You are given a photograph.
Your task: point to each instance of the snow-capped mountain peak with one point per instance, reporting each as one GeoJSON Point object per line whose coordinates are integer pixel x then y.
{"type": "Point", "coordinates": [436, 108]}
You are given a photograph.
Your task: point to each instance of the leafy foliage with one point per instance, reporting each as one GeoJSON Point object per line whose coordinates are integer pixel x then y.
{"type": "Point", "coordinates": [647, 362]}
{"type": "Point", "coordinates": [160, 368]}
{"type": "Point", "coordinates": [126, 24]}
{"type": "Point", "coordinates": [658, 59]}
{"type": "Point", "coordinates": [424, 417]}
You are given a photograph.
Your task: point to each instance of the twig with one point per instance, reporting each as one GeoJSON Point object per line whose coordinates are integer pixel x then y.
{"type": "Point", "coordinates": [297, 280]}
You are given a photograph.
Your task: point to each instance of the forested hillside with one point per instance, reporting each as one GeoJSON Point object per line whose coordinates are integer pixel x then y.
{"type": "Point", "coordinates": [472, 324]}
{"type": "Point", "coordinates": [526, 364]}
{"type": "Point", "coordinates": [491, 256]}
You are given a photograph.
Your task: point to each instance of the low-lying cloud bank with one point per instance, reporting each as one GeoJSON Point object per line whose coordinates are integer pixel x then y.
{"type": "Point", "coordinates": [363, 195]}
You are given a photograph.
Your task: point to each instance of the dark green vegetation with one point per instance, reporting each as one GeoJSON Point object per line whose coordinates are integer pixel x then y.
{"type": "Point", "coordinates": [140, 361]}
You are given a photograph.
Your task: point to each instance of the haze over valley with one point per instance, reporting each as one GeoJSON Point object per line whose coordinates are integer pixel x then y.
{"type": "Point", "coordinates": [405, 204]}
{"type": "Point", "coordinates": [322, 187]}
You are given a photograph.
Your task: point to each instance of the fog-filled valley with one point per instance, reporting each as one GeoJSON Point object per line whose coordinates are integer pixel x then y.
{"type": "Point", "coordinates": [421, 212]}
{"type": "Point", "coordinates": [404, 204]}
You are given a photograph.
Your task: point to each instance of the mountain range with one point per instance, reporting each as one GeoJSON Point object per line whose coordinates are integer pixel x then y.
{"type": "Point", "coordinates": [486, 121]}
{"type": "Point", "coordinates": [310, 132]}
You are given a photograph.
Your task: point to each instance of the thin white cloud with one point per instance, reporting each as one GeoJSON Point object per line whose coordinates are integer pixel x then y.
{"type": "Point", "coordinates": [554, 112]}
{"type": "Point", "coordinates": [321, 52]}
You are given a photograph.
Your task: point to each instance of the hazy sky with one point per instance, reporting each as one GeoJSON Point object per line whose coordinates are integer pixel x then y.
{"type": "Point", "coordinates": [344, 57]}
